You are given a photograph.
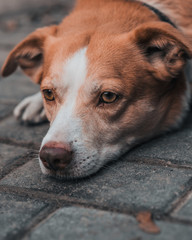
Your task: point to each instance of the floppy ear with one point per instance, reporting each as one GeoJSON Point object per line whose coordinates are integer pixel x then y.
{"type": "Point", "coordinates": [28, 54]}
{"type": "Point", "coordinates": [164, 47]}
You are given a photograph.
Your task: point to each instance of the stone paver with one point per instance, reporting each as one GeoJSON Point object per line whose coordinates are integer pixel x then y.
{"type": "Point", "coordinates": [16, 213]}
{"type": "Point", "coordinates": [22, 134]}
{"type": "Point", "coordinates": [12, 157]}
{"type": "Point", "coordinates": [124, 185]}
{"type": "Point", "coordinates": [8, 154]}
{"type": "Point", "coordinates": [171, 231]}
{"type": "Point", "coordinates": [80, 223]}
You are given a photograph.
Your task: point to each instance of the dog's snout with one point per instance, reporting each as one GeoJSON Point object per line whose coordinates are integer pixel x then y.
{"type": "Point", "coordinates": [56, 157]}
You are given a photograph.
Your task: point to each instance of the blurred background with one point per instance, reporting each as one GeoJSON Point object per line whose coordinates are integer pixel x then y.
{"type": "Point", "coordinates": [22, 13]}
{"type": "Point", "coordinates": [18, 5]}
{"type": "Point", "coordinates": [18, 18]}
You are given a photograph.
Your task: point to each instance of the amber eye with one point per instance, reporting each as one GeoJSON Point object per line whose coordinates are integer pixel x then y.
{"type": "Point", "coordinates": [48, 94]}
{"type": "Point", "coordinates": [108, 97]}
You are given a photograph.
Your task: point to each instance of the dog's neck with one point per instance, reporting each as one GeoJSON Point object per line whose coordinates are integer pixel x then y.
{"type": "Point", "coordinates": [160, 15]}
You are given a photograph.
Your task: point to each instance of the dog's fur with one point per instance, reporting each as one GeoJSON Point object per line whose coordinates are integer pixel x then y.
{"type": "Point", "coordinates": [107, 45]}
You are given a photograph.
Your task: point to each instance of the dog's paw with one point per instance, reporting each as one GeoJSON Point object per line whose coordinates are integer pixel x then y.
{"type": "Point", "coordinates": [31, 110]}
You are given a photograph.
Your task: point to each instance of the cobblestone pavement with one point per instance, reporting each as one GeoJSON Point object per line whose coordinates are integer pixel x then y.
{"type": "Point", "coordinates": [155, 177]}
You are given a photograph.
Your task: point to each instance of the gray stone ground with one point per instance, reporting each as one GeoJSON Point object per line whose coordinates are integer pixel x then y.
{"type": "Point", "coordinates": [155, 177]}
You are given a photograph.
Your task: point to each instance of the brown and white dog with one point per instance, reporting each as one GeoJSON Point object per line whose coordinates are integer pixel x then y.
{"type": "Point", "coordinates": [111, 76]}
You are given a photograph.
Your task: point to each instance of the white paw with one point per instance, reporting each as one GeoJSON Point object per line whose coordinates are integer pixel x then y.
{"type": "Point", "coordinates": [31, 110]}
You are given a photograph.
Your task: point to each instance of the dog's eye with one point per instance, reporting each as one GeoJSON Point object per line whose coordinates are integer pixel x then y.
{"type": "Point", "coordinates": [48, 94]}
{"type": "Point", "coordinates": [108, 97]}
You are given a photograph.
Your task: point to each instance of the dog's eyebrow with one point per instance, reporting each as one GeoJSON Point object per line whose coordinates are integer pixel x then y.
{"type": "Point", "coordinates": [46, 87]}
{"type": "Point", "coordinates": [95, 88]}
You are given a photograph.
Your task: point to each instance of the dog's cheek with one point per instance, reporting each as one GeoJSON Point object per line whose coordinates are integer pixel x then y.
{"type": "Point", "coordinates": [98, 131]}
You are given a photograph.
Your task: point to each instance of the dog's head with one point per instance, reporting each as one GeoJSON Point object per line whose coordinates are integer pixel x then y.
{"type": "Point", "coordinates": [103, 93]}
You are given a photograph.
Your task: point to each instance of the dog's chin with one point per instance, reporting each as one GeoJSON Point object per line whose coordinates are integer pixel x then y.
{"type": "Point", "coordinates": [68, 173]}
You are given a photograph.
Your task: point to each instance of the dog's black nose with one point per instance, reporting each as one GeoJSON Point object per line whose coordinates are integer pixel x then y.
{"type": "Point", "coordinates": [55, 157]}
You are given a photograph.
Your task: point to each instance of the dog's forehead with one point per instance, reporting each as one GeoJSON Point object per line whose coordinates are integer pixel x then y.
{"type": "Point", "coordinates": [59, 51]}
{"type": "Point", "coordinates": [66, 64]}
{"type": "Point", "coordinates": [74, 69]}
{"type": "Point", "coordinates": [67, 72]}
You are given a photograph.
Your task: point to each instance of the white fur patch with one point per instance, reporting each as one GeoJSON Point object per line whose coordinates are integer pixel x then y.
{"type": "Point", "coordinates": [75, 70]}
{"type": "Point", "coordinates": [73, 77]}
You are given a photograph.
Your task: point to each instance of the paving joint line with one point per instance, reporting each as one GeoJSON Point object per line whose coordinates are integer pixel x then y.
{"type": "Point", "coordinates": [53, 204]}
{"type": "Point", "coordinates": [42, 216]}
{"type": "Point", "coordinates": [183, 201]}
{"type": "Point", "coordinates": [13, 142]}
{"type": "Point", "coordinates": [176, 220]}
{"type": "Point", "coordinates": [158, 162]}
{"type": "Point", "coordinates": [178, 203]}
{"type": "Point", "coordinates": [18, 162]}
{"type": "Point", "coordinates": [60, 201]}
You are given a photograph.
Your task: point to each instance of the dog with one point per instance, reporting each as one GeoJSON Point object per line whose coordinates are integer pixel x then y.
{"type": "Point", "coordinates": [112, 75]}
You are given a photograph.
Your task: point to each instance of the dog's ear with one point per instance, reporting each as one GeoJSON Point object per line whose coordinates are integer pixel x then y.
{"type": "Point", "coordinates": [28, 54]}
{"type": "Point", "coordinates": [164, 47]}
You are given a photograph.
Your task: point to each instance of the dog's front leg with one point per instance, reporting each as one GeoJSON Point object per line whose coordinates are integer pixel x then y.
{"type": "Point", "coordinates": [30, 110]}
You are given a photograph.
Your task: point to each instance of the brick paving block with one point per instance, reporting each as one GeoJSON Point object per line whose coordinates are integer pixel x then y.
{"type": "Point", "coordinates": [174, 147]}
{"type": "Point", "coordinates": [8, 154]}
{"type": "Point", "coordinates": [10, 129]}
{"type": "Point", "coordinates": [6, 109]}
{"type": "Point", "coordinates": [16, 213]}
{"type": "Point", "coordinates": [80, 223]}
{"type": "Point", "coordinates": [185, 212]}
{"type": "Point", "coordinates": [16, 87]}
{"type": "Point", "coordinates": [73, 223]}
{"type": "Point", "coordinates": [124, 186]}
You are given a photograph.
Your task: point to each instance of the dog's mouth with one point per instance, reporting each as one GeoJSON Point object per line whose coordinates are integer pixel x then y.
{"type": "Point", "coordinates": [74, 170]}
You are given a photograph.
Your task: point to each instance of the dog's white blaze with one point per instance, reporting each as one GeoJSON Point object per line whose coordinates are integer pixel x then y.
{"type": "Point", "coordinates": [65, 124]}
{"type": "Point", "coordinates": [75, 71]}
